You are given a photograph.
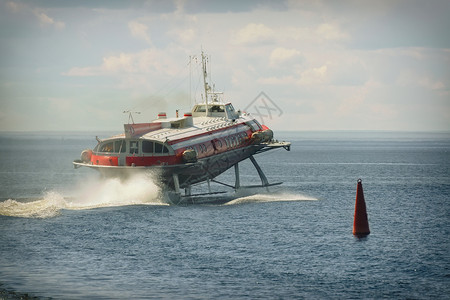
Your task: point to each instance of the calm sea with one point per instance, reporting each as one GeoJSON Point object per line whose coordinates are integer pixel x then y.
{"type": "Point", "coordinates": [68, 234]}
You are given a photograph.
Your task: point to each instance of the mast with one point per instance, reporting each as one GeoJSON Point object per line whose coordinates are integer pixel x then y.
{"type": "Point", "coordinates": [204, 82]}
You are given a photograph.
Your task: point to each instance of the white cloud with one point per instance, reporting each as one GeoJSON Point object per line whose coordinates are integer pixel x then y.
{"type": "Point", "coordinates": [409, 77]}
{"type": "Point", "coordinates": [61, 105]}
{"type": "Point", "coordinates": [42, 17]}
{"type": "Point", "coordinates": [331, 32]}
{"type": "Point", "coordinates": [141, 72]}
{"type": "Point", "coordinates": [122, 63]}
{"type": "Point", "coordinates": [309, 77]}
{"type": "Point", "coordinates": [431, 84]}
{"type": "Point", "coordinates": [352, 103]}
{"type": "Point", "coordinates": [285, 80]}
{"type": "Point", "coordinates": [139, 31]}
{"type": "Point", "coordinates": [184, 35]}
{"type": "Point", "coordinates": [414, 52]}
{"type": "Point", "coordinates": [253, 34]}
{"type": "Point", "coordinates": [83, 72]}
{"type": "Point", "coordinates": [15, 6]}
{"type": "Point", "coordinates": [45, 20]}
{"type": "Point", "coordinates": [282, 55]}
{"type": "Point", "coordinates": [314, 76]}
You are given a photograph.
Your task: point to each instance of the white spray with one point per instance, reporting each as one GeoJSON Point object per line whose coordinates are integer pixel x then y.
{"type": "Point", "coordinates": [92, 193]}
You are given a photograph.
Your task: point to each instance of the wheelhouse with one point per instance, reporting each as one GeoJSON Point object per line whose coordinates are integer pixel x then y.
{"type": "Point", "coordinates": [215, 109]}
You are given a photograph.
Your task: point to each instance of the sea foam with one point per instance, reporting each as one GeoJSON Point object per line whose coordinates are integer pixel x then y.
{"type": "Point", "coordinates": [89, 194]}
{"type": "Point", "coordinates": [270, 197]}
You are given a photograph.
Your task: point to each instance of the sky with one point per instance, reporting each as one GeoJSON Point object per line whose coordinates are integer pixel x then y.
{"type": "Point", "coordinates": [297, 65]}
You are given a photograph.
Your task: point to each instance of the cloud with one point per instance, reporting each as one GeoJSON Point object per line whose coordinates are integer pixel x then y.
{"type": "Point", "coordinates": [284, 80]}
{"type": "Point", "coordinates": [184, 35]}
{"type": "Point", "coordinates": [45, 20]}
{"type": "Point", "coordinates": [309, 77]}
{"type": "Point", "coordinates": [282, 55]}
{"type": "Point", "coordinates": [352, 103]}
{"type": "Point", "coordinates": [348, 69]}
{"type": "Point", "coordinates": [331, 32]}
{"type": "Point", "coordinates": [313, 35]}
{"type": "Point", "coordinates": [61, 105]}
{"type": "Point", "coordinates": [42, 17]}
{"type": "Point", "coordinates": [314, 76]}
{"type": "Point", "coordinates": [143, 69]}
{"type": "Point", "coordinates": [139, 31]}
{"type": "Point", "coordinates": [411, 78]}
{"type": "Point", "coordinates": [253, 34]}
{"type": "Point", "coordinates": [430, 84]}
{"type": "Point", "coordinates": [15, 6]}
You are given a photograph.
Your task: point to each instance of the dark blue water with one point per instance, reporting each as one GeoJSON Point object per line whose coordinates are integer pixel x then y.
{"type": "Point", "coordinates": [67, 234]}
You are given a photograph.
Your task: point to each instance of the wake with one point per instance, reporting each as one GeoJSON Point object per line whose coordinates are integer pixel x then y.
{"type": "Point", "coordinates": [270, 197]}
{"type": "Point", "coordinates": [95, 193]}
{"type": "Point", "coordinates": [140, 189]}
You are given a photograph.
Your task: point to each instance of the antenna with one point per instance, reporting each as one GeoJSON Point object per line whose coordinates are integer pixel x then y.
{"type": "Point", "coordinates": [130, 116]}
{"type": "Point", "coordinates": [190, 80]}
{"type": "Point", "coordinates": [206, 86]}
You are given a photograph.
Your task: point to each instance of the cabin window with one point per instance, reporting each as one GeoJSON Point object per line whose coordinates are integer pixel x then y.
{"type": "Point", "coordinates": [255, 126]}
{"type": "Point", "coordinates": [160, 148]}
{"type": "Point", "coordinates": [217, 108]}
{"type": "Point", "coordinates": [108, 147]}
{"type": "Point", "coordinates": [120, 146]}
{"type": "Point", "coordinates": [134, 147]}
{"type": "Point", "coordinates": [200, 108]}
{"type": "Point", "coordinates": [147, 147]}
{"type": "Point", "coordinates": [230, 112]}
{"type": "Point", "coordinates": [154, 147]}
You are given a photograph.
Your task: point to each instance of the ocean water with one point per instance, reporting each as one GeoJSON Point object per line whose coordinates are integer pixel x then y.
{"type": "Point", "coordinates": [69, 234]}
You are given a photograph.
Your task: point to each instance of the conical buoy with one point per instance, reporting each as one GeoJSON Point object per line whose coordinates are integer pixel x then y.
{"type": "Point", "coordinates": [360, 222]}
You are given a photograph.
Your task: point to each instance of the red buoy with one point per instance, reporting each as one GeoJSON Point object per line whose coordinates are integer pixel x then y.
{"type": "Point", "coordinates": [360, 222]}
